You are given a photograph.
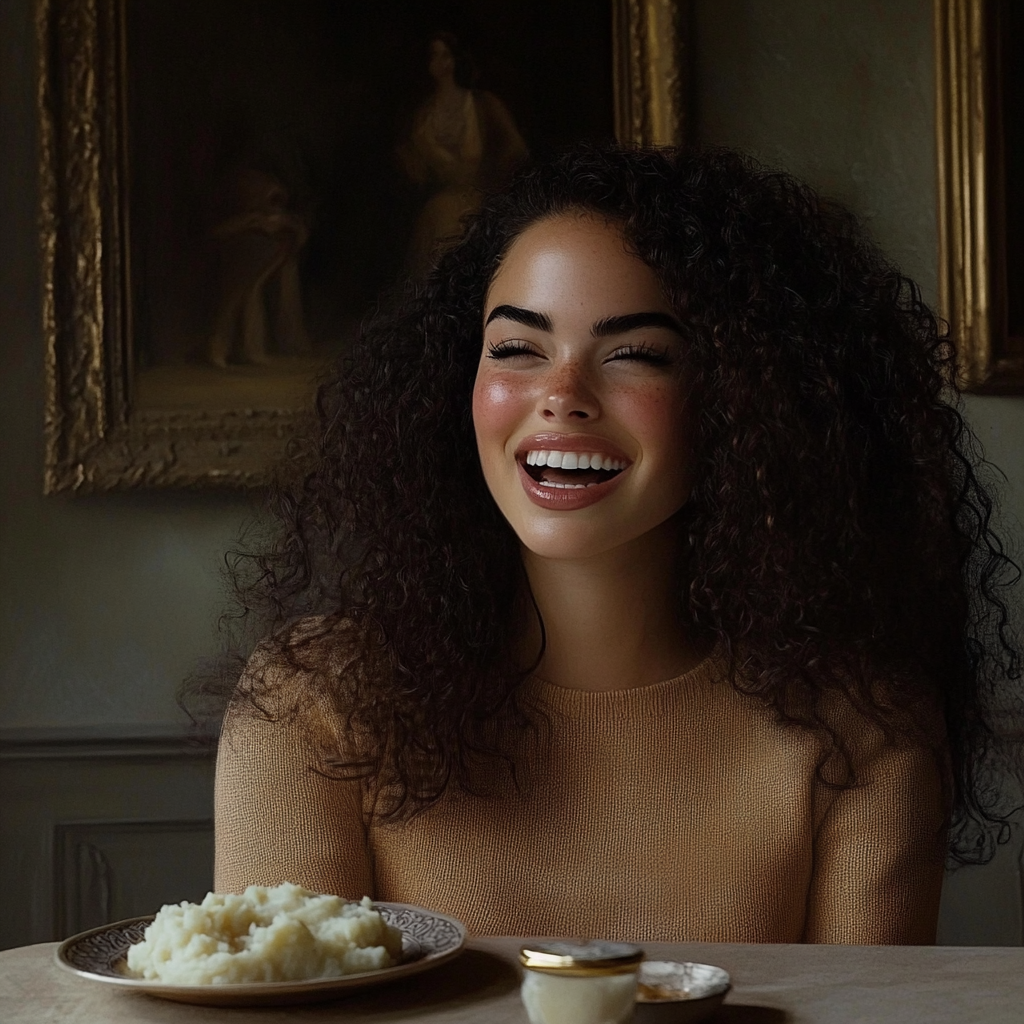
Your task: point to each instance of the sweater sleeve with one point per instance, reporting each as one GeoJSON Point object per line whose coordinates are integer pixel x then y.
{"type": "Point", "coordinates": [879, 855]}
{"type": "Point", "coordinates": [277, 818]}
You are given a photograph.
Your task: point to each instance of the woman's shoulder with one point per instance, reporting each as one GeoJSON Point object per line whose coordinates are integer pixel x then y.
{"type": "Point", "coordinates": [848, 723]}
{"type": "Point", "coordinates": [298, 668]}
{"type": "Point", "coordinates": [490, 105]}
{"type": "Point", "coordinates": [887, 737]}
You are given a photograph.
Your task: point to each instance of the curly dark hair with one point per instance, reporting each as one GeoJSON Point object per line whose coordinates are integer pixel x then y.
{"type": "Point", "coordinates": [838, 532]}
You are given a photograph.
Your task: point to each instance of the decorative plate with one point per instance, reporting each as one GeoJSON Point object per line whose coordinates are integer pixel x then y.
{"type": "Point", "coordinates": [428, 940]}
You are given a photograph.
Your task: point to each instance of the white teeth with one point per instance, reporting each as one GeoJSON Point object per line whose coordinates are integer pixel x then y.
{"type": "Point", "coordinates": [573, 460]}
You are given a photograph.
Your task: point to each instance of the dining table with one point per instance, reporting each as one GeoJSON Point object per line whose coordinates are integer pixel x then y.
{"type": "Point", "coordinates": [771, 984]}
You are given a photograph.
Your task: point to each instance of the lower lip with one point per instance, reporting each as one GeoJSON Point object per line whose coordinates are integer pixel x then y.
{"type": "Point", "coordinates": [566, 499]}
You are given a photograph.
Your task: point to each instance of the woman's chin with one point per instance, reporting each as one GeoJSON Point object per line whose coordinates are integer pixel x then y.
{"type": "Point", "coordinates": [571, 543]}
{"type": "Point", "coordinates": [578, 538]}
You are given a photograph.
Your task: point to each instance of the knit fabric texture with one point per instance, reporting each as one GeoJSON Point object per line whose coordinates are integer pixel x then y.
{"type": "Point", "coordinates": [682, 811]}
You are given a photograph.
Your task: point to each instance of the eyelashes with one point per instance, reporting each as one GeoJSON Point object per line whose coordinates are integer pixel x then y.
{"type": "Point", "coordinates": [643, 353]}
{"type": "Point", "coordinates": [640, 352]}
{"type": "Point", "coordinates": [509, 349]}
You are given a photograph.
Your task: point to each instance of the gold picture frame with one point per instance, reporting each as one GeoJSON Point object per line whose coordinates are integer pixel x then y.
{"type": "Point", "coordinates": [973, 176]}
{"type": "Point", "coordinates": [97, 437]}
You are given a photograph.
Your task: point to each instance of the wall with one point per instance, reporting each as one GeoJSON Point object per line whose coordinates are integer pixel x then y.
{"type": "Point", "coordinates": [842, 95]}
{"type": "Point", "coordinates": [105, 602]}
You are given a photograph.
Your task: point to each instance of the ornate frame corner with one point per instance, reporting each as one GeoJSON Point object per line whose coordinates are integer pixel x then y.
{"type": "Point", "coordinates": [94, 439]}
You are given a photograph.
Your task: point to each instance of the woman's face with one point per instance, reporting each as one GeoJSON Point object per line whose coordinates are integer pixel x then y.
{"type": "Point", "coordinates": [442, 62]}
{"type": "Point", "coordinates": [580, 403]}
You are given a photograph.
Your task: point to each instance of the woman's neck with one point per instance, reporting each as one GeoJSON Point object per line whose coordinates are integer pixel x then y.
{"type": "Point", "coordinates": [446, 88]}
{"type": "Point", "coordinates": [611, 621]}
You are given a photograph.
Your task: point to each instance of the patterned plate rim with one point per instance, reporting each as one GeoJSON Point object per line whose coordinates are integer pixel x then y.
{"type": "Point", "coordinates": [430, 960]}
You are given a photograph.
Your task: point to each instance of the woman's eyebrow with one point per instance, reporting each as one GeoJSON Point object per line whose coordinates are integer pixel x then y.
{"type": "Point", "coordinates": [526, 317]}
{"type": "Point", "coordinates": [612, 325]}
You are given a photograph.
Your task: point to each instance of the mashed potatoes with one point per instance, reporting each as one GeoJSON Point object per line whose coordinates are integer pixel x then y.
{"type": "Point", "coordinates": [282, 934]}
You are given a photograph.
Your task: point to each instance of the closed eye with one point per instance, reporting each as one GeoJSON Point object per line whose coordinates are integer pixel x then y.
{"type": "Point", "coordinates": [642, 353]}
{"type": "Point", "coordinates": [510, 349]}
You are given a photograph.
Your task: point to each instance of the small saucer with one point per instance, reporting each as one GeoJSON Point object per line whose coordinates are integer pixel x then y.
{"type": "Point", "coordinates": [678, 993]}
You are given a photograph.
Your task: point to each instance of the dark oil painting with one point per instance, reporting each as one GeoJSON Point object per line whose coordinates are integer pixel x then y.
{"type": "Point", "coordinates": [291, 160]}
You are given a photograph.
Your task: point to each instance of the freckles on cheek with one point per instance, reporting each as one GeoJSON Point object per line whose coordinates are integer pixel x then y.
{"type": "Point", "coordinates": [655, 413]}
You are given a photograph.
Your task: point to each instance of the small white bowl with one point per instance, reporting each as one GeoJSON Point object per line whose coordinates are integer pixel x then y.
{"type": "Point", "coordinates": [688, 992]}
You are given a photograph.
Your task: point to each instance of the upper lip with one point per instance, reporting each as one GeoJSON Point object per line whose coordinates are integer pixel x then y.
{"type": "Point", "coordinates": [579, 443]}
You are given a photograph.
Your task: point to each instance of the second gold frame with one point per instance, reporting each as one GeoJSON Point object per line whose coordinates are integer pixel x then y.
{"type": "Point", "coordinates": [976, 179]}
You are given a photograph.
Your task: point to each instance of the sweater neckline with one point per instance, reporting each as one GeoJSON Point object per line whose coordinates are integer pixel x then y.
{"type": "Point", "coordinates": [568, 697]}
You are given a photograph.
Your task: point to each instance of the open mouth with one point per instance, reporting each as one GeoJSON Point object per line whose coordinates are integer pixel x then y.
{"type": "Point", "coordinates": [562, 470]}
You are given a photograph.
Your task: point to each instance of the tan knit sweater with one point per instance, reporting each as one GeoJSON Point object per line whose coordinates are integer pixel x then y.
{"type": "Point", "coordinates": [677, 812]}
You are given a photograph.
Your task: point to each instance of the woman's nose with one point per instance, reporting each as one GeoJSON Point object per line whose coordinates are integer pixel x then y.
{"type": "Point", "coordinates": [567, 396]}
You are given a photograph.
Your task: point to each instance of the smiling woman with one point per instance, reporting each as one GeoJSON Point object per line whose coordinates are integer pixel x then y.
{"type": "Point", "coordinates": [583, 359]}
{"type": "Point", "coordinates": [600, 377]}
{"type": "Point", "coordinates": [638, 583]}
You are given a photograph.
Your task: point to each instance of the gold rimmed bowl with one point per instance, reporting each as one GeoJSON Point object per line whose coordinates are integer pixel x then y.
{"type": "Point", "coordinates": [679, 992]}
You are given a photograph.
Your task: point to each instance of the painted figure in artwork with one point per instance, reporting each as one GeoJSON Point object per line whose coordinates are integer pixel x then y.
{"type": "Point", "coordinates": [462, 140]}
{"type": "Point", "coordinates": [639, 583]}
{"type": "Point", "coordinates": [259, 310]}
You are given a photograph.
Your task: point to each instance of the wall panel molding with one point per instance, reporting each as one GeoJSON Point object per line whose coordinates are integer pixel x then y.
{"type": "Point", "coordinates": [109, 870]}
{"type": "Point", "coordinates": [96, 828]}
{"type": "Point", "coordinates": [103, 742]}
